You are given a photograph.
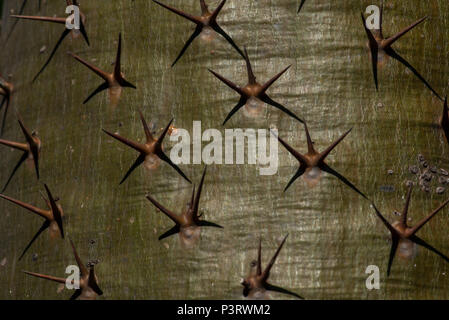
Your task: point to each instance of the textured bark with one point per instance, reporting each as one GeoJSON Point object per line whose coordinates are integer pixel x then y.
{"type": "Point", "coordinates": [334, 234]}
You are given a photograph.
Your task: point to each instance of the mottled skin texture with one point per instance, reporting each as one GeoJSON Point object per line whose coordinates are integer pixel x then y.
{"type": "Point", "coordinates": [53, 216]}
{"type": "Point", "coordinates": [378, 43]}
{"type": "Point", "coordinates": [256, 282]}
{"type": "Point", "coordinates": [152, 147]}
{"type": "Point", "coordinates": [255, 90]}
{"type": "Point", "coordinates": [88, 282]}
{"type": "Point", "coordinates": [206, 20]}
{"type": "Point", "coordinates": [66, 31]}
{"type": "Point", "coordinates": [401, 231]}
{"type": "Point", "coordinates": [190, 218]}
{"type": "Point", "coordinates": [114, 80]}
{"type": "Point", "coordinates": [313, 159]}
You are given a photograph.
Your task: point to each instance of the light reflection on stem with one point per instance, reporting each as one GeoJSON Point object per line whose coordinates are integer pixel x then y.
{"type": "Point", "coordinates": [407, 250]}
{"type": "Point", "coordinates": [312, 176]}
{"type": "Point", "coordinates": [208, 35]}
{"type": "Point", "coordinates": [152, 162]}
{"type": "Point", "coordinates": [189, 236]}
{"type": "Point", "coordinates": [114, 95]}
{"type": "Point", "coordinates": [253, 108]}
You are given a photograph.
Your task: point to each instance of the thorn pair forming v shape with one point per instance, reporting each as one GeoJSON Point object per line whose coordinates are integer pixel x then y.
{"type": "Point", "coordinates": [255, 90]}
{"type": "Point", "coordinates": [401, 231]}
{"type": "Point", "coordinates": [53, 216]}
{"type": "Point", "coordinates": [64, 33]}
{"type": "Point", "coordinates": [378, 43]}
{"type": "Point", "coordinates": [189, 218]}
{"type": "Point", "coordinates": [88, 282]}
{"type": "Point", "coordinates": [112, 80]}
{"type": "Point", "coordinates": [31, 149]}
{"type": "Point", "coordinates": [206, 20]}
{"type": "Point", "coordinates": [152, 147]}
{"type": "Point", "coordinates": [313, 159]}
{"type": "Point", "coordinates": [258, 280]}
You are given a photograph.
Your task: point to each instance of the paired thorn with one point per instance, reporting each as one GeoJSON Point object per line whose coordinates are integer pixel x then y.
{"type": "Point", "coordinates": [53, 216]}
{"type": "Point", "coordinates": [254, 90]}
{"type": "Point", "coordinates": [66, 31]}
{"type": "Point", "coordinates": [112, 80]}
{"type": "Point", "coordinates": [400, 231]}
{"type": "Point", "coordinates": [313, 159]}
{"type": "Point", "coordinates": [190, 217]}
{"type": "Point", "coordinates": [206, 20]}
{"type": "Point", "coordinates": [151, 147]}
{"type": "Point", "coordinates": [378, 43]}
{"type": "Point", "coordinates": [88, 282]}
{"type": "Point", "coordinates": [31, 149]}
{"type": "Point", "coordinates": [259, 280]}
